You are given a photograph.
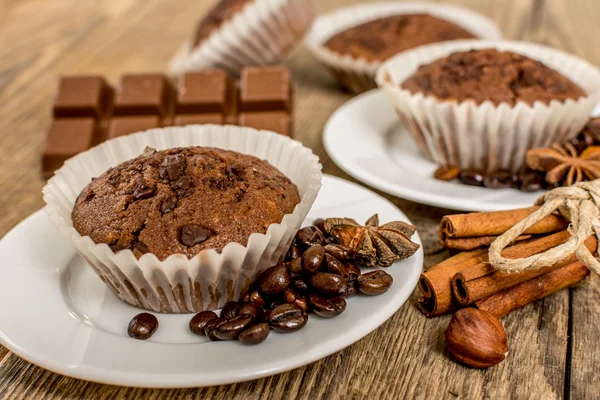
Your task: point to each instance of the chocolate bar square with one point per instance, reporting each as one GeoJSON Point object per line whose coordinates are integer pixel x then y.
{"type": "Point", "coordinates": [66, 138]}
{"type": "Point", "coordinates": [265, 89]}
{"type": "Point", "coordinates": [144, 94]}
{"type": "Point", "coordinates": [192, 119]}
{"type": "Point", "coordinates": [120, 126]}
{"type": "Point", "coordinates": [208, 91]}
{"type": "Point", "coordinates": [277, 121]}
{"type": "Point", "coordinates": [82, 96]}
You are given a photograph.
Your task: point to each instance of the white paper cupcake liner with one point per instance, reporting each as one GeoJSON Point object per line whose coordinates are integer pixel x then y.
{"type": "Point", "coordinates": [210, 279]}
{"type": "Point", "coordinates": [358, 74]}
{"type": "Point", "coordinates": [488, 136]}
{"type": "Point", "coordinates": [261, 34]}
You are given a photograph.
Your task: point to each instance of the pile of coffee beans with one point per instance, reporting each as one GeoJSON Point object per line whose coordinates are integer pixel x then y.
{"type": "Point", "coordinates": [526, 181]}
{"type": "Point", "coordinates": [317, 276]}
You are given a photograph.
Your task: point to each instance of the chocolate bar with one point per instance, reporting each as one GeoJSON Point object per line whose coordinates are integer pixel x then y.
{"type": "Point", "coordinates": [87, 110]}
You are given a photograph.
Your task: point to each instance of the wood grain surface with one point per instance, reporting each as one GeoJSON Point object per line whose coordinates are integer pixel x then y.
{"type": "Point", "coordinates": [553, 343]}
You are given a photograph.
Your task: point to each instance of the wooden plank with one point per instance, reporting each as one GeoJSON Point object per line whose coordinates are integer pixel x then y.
{"type": "Point", "coordinates": [405, 358]}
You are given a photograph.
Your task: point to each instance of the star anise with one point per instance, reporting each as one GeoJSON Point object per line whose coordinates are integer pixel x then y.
{"type": "Point", "coordinates": [373, 244]}
{"type": "Point", "coordinates": [563, 165]}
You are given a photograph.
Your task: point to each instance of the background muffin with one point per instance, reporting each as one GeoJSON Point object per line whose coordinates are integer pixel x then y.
{"type": "Point", "coordinates": [353, 42]}
{"type": "Point", "coordinates": [491, 75]}
{"type": "Point", "coordinates": [382, 38]}
{"type": "Point", "coordinates": [484, 109]}
{"type": "Point", "coordinates": [183, 201]}
{"type": "Point", "coordinates": [239, 33]}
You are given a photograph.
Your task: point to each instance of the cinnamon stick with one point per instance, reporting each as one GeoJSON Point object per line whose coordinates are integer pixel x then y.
{"type": "Point", "coordinates": [495, 223]}
{"type": "Point", "coordinates": [472, 243]}
{"type": "Point", "coordinates": [436, 283]}
{"type": "Point", "coordinates": [506, 301]}
{"type": "Point", "coordinates": [473, 289]}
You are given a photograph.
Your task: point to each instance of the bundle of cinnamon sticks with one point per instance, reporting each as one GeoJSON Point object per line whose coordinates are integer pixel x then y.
{"type": "Point", "coordinates": [468, 279]}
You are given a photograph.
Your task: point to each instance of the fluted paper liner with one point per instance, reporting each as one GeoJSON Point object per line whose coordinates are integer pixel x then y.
{"type": "Point", "coordinates": [260, 34]}
{"type": "Point", "coordinates": [488, 136]}
{"type": "Point", "coordinates": [358, 74]}
{"type": "Point", "coordinates": [210, 279]}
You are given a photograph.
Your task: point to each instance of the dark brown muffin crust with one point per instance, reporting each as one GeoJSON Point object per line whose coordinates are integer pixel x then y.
{"type": "Point", "coordinates": [222, 12]}
{"type": "Point", "coordinates": [182, 201]}
{"type": "Point", "coordinates": [382, 38]}
{"type": "Point", "coordinates": [489, 74]}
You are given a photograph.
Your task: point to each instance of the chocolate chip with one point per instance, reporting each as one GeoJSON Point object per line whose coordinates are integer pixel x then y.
{"type": "Point", "coordinates": [142, 191]}
{"type": "Point", "coordinates": [235, 170]}
{"type": "Point", "coordinates": [168, 205]}
{"type": "Point", "coordinates": [89, 197]}
{"type": "Point", "coordinates": [141, 247]}
{"type": "Point", "coordinates": [172, 167]}
{"type": "Point", "coordinates": [192, 235]}
{"type": "Point", "coordinates": [181, 185]}
{"type": "Point", "coordinates": [114, 179]}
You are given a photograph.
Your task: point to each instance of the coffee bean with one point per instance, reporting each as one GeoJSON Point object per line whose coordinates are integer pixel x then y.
{"type": "Point", "coordinates": [211, 327]}
{"type": "Point", "coordinates": [500, 180]}
{"type": "Point", "coordinates": [289, 296]}
{"type": "Point", "coordinates": [471, 177]}
{"type": "Point", "coordinates": [142, 326]}
{"type": "Point", "coordinates": [374, 283]}
{"type": "Point", "coordinates": [326, 308]}
{"type": "Point", "coordinates": [313, 258]}
{"type": "Point", "coordinates": [352, 272]}
{"type": "Point", "coordinates": [231, 329]}
{"type": "Point", "coordinates": [446, 173]}
{"type": "Point", "coordinates": [287, 318]}
{"type": "Point", "coordinates": [271, 304]}
{"type": "Point", "coordinates": [330, 240]}
{"type": "Point", "coordinates": [230, 309]}
{"type": "Point", "coordinates": [255, 334]}
{"type": "Point", "coordinates": [192, 235]}
{"type": "Point", "coordinates": [532, 182]}
{"type": "Point", "coordinates": [310, 235]}
{"type": "Point", "coordinates": [251, 310]}
{"type": "Point", "coordinates": [199, 321]}
{"type": "Point", "coordinates": [339, 251]}
{"type": "Point", "coordinates": [295, 266]}
{"type": "Point", "coordinates": [300, 285]}
{"type": "Point", "coordinates": [349, 290]}
{"type": "Point", "coordinates": [301, 302]}
{"type": "Point", "coordinates": [326, 283]}
{"type": "Point", "coordinates": [293, 253]}
{"type": "Point", "coordinates": [333, 265]}
{"type": "Point", "coordinates": [256, 298]}
{"type": "Point", "coordinates": [266, 314]}
{"type": "Point", "coordinates": [320, 223]}
{"type": "Point", "coordinates": [275, 280]}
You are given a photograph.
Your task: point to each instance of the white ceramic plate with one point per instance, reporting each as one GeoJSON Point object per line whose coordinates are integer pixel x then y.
{"type": "Point", "coordinates": [57, 314]}
{"type": "Point", "coordinates": [365, 138]}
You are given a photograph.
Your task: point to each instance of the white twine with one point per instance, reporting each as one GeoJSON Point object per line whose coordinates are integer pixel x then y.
{"type": "Point", "coordinates": [580, 205]}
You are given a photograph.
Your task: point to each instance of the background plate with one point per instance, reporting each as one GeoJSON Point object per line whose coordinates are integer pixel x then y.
{"type": "Point", "coordinates": [365, 138]}
{"type": "Point", "coordinates": [59, 315]}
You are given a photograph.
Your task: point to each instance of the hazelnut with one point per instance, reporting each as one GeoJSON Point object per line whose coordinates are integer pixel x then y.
{"type": "Point", "coordinates": [476, 338]}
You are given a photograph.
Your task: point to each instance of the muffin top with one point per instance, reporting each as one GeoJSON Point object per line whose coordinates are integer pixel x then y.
{"type": "Point", "coordinates": [382, 38]}
{"type": "Point", "coordinates": [489, 74]}
{"type": "Point", "coordinates": [183, 200]}
{"type": "Point", "coordinates": [222, 12]}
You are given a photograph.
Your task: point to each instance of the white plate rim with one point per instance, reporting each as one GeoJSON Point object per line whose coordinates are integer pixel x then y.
{"type": "Point", "coordinates": [419, 196]}
{"type": "Point", "coordinates": [137, 379]}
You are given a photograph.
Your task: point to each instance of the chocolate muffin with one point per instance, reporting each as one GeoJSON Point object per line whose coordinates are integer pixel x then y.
{"type": "Point", "coordinates": [183, 200]}
{"type": "Point", "coordinates": [489, 74]}
{"type": "Point", "coordinates": [382, 38]}
{"type": "Point", "coordinates": [221, 13]}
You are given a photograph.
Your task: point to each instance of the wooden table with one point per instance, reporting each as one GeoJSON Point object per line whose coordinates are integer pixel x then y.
{"type": "Point", "coordinates": [553, 343]}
